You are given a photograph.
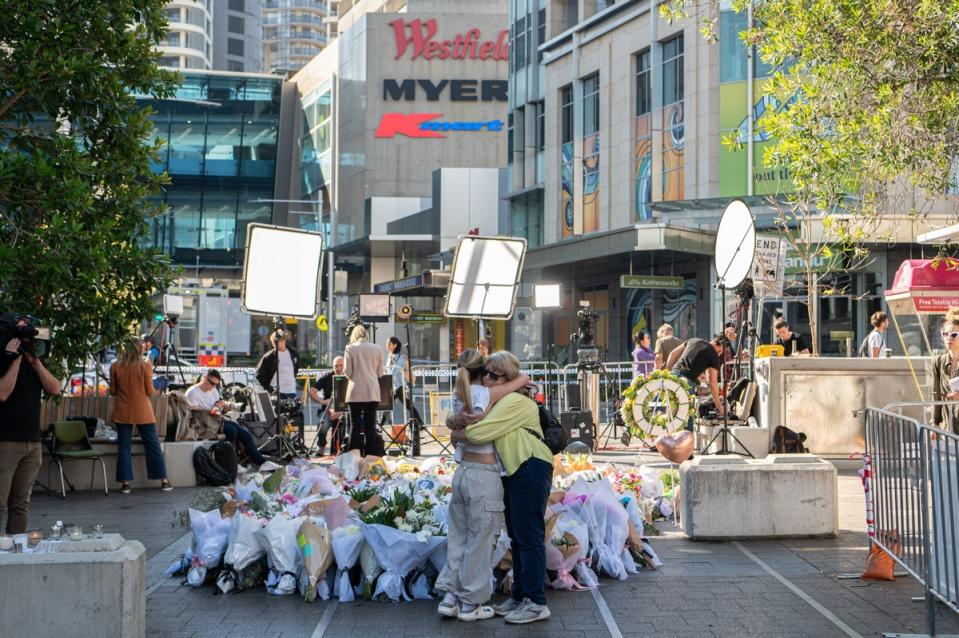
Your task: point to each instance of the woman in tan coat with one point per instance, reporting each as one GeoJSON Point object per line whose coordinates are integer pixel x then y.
{"type": "Point", "coordinates": [131, 382]}
{"type": "Point", "coordinates": [364, 365]}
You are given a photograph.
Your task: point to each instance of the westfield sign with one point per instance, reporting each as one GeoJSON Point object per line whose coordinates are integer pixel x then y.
{"type": "Point", "coordinates": [419, 38]}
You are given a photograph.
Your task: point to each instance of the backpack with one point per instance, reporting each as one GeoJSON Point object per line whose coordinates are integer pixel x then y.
{"type": "Point", "coordinates": [785, 441]}
{"type": "Point", "coordinates": [554, 436]}
{"type": "Point", "coordinates": [207, 465]}
{"type": "Point", "coordinates": [864, 347]}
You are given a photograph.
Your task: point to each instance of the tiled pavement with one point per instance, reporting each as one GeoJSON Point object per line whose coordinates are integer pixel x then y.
{"type": "Point", "coordinates": [704, 589]}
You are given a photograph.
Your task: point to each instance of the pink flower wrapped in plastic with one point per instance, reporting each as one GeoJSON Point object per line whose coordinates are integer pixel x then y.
{"type": "Point", "coordinates": [567, 546]}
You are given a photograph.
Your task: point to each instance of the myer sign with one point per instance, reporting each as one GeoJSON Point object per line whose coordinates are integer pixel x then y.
{"type": "Point", "coordinates": [650, 281]}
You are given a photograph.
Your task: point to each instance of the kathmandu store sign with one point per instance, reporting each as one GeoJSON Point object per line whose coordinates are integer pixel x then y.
{"type": "Point", "coordinates": [419, 37]}
{"type": "Point", "coordinates": [423, 125]}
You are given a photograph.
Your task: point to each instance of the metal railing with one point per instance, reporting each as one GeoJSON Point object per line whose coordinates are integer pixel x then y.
{"type": "Point", "coordinates": [915, 500]}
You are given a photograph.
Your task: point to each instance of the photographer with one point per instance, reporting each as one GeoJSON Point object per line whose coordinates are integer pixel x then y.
{"type": "Point", "coordinates": [698, 357]}
{"type": "Point", "coordinates": [284, 357]}
{"type": "Point", "coordinates": [22, 380]}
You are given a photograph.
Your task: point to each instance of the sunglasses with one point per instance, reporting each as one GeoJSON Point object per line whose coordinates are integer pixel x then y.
{"type": "Point", "coordinates": [949, 335]}
{"type": "Point", "coordinates": [492, 375]}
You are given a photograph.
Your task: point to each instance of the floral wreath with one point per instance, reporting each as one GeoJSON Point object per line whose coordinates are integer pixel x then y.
{"type": "Point", "coordinates": [658, 403]}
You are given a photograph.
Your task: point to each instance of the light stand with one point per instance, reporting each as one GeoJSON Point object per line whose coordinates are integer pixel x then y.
{"type": "Point", "coordinates": [285, 447]}
{"type": "Point", "coordinates": [734, 252]}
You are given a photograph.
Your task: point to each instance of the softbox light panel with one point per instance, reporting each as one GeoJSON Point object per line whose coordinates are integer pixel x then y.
{"type": "Point", "coordinates": [281, 271]}
{"type": "Point", "coordinates": [486, 272]}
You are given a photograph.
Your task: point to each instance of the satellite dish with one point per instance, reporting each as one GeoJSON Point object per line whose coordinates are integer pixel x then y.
{"type": "Point", "coordinates": [735, 245]}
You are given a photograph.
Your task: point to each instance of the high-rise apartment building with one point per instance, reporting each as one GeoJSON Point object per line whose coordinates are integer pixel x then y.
{"type": "Point", "coordinates": [294, 32]}
{"type": "Point", "coordinates": [238, 35]}
{"type": "Point", "coordinates": [189, 40]}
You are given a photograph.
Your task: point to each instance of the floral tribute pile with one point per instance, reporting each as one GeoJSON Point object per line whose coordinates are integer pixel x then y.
{"type": "Point", "coordinates": [376, 528]}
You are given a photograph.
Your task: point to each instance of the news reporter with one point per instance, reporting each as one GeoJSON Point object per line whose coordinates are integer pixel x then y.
{"type": "Point", "coordinates": [23, 379]}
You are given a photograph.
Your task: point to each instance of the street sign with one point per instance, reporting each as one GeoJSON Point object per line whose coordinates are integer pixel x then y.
{"type": "Point", "coordinates": [427, 317]}
{"type": "Point", "coordinates": [650, 281]}
{"type": "Point", "coordinates": [769, 265]}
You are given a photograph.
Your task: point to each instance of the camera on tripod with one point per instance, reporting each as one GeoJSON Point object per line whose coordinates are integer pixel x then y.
{"type": "Point", "coordinates": [33, 340]}
{"type": "Point", "coordinates": [289, 408]}
{"type": "Point", "coordinates": [354, 320]}
{"type": "Point", "coordinates": [585, 337]}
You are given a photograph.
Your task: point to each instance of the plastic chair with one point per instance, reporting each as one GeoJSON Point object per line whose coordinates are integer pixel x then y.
{"type": "Point", "coordinates": [70, 442]}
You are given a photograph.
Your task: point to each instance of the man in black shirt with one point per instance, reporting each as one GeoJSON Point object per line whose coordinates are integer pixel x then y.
{"type": "Point", "coordinates": [22, 379]}
{"type": "Point", "coordinates": [697, 357]}
{"type": "Point", "coordinates": [324, 385]}
{"type": "Point", "coordinates": [792, 342]}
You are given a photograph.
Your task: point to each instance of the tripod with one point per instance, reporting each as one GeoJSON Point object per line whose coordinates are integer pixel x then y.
{"type": "Point", "coordinates": [412, 424]}
{"type": "Point", "coordinates": [724, 430]}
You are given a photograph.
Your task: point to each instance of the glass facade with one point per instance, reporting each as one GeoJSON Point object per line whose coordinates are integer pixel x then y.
{"type": "Point", "coordinates": [220, 137]}
{"type": "Point", "coordinates": [316, 157]}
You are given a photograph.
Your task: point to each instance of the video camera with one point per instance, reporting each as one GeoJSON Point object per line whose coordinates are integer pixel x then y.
{"type": "Point", "coordinates": [354, 320]}
{"type": "Point", "coordinates": [585, 337]}
{"type": "Point", "coordinates": [33, 340]}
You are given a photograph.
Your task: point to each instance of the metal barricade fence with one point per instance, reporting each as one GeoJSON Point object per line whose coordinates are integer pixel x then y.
{"type": "Point", "coordinates": [915, 497]}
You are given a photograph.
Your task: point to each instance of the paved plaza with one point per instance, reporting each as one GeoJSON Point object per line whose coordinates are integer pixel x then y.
{"type": "Point", "coordinates": [756, 588]}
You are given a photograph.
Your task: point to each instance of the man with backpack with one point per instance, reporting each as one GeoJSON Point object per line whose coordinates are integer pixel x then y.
{"type": "Point", "coordinates": [874, 344]}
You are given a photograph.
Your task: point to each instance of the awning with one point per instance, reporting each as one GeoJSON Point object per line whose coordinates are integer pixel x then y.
{"type": "Point", "coordinates": [641, 237]}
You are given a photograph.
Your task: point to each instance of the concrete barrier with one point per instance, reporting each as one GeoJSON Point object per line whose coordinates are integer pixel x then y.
{"type": "Point", "coordinates": [781, 496]}
{"type": "Point", "coordinates": [82, 588]}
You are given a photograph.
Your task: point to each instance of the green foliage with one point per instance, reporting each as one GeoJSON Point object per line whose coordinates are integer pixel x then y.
{"type": "Point", "coordinates": [75, 178]}
{"type": "Point", "coordinates": [272, 484]}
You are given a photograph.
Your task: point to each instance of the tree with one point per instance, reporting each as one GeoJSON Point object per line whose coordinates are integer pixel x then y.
{"type": "Point", "coordinates": [75, 178]}
{"type": "Point", "coordinates": [871, 128]}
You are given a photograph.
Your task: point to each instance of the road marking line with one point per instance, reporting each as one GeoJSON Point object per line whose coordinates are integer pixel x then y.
{"type": "Point", "coordinates": [831, 617]}
{"type": "Point", "coordinates": [604, 611]}
{"type": "Point", "coordinates": [325, 621]}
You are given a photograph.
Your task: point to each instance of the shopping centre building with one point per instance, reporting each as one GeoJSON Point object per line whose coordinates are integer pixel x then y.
{"type": "Point", "coordinates": [592, 129]}
{"type": "Point", "coordinates": [617, 167]}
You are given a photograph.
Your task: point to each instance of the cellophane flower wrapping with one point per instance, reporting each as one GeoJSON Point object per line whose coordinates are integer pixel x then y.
{"type": "Point", "coordinates": [211, 533]}
{"type": "Point", "coordinates": [398, 553]}
{"type": "Point", "coordinates": [243, 549]}
{"type": "Point", "coordinates": [317, 554]}
{"type": "Point", "coordinates": [347, 542]}
{"type": "Point", "coordinates": [566, 547]}
{"type": "Point", "coordinates": [279, 540]}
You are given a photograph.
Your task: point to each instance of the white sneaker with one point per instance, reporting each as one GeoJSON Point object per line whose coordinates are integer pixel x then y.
{"type": "Point", "coordinates": [507, 606]}
{"type": "Point", "coordinates": [269, 466]}
{"type": "Point", "coordinates": [527, 612]}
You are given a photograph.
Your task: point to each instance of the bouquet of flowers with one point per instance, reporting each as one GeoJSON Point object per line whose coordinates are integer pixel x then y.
{"type": "Point", "coordinates": [211, 532]}
{"type": "Point", "coordinates": [567, 545]}
{"type": "Point", "coordinates": [243, 550]}
{"type": "Point", "coordinates": [314, 543]}
{"type": "Point", "coordinates": [398, 553]}
{"type": "Point", "coordinates": [279, 539]}
{"type": "Point", "coordinates": [347, 543]}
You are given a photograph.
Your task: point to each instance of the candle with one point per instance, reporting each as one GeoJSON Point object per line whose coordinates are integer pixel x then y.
{"type": "Point", "coordinates": [76, 533]}
{"type": "Point", "coordinates": [6, 543]}
{"type": "Point", "coordinates": [98, 531]}
{"type": "Point", "coordinates": [34, 537]}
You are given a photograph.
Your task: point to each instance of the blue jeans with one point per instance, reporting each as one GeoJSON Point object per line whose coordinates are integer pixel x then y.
{"type": "Point", "coordinates": [237, 435]}
{"type": "Point", "coordinates": [156, 466]}
{"type": "Point", "coordinates": [525, 493]}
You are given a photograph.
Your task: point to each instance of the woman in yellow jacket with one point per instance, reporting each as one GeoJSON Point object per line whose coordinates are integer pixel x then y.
{"type": "Point", "coordinates": [512, 425]}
